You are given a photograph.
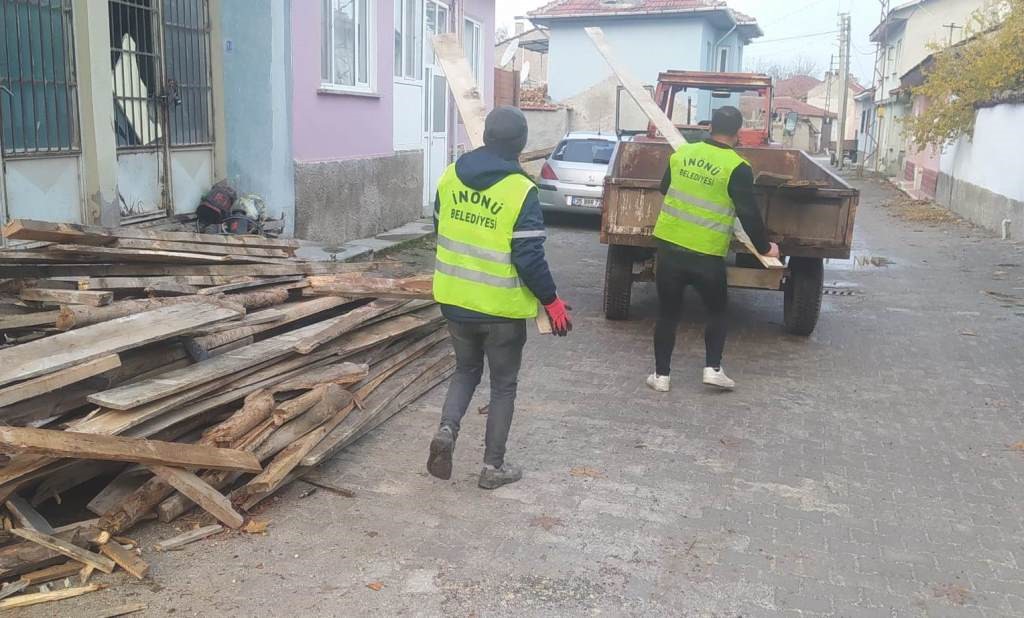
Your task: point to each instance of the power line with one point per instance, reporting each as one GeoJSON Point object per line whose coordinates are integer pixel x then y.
{"type": "Point", "coordinates": [794, 12]}
{"type": "Point", "coordinates": [793, 38]}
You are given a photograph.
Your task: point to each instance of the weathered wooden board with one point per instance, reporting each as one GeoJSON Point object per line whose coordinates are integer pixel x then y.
{"type": "Point", "coordinates": [208, 498]}
{"type": "Point", "coordinates": [665, 126]}
{"type": "Point", "coordinates": [189, 537]}
{"type": "Point", "coordinates": [68, 297]}
{"type": "Point", "coordinates": [70, 550]}
{"type": "Point", "coordinates": [125, 559]}
{"type": "Point", "coordinates": [50, 382]}
{"type": "Point", "coordinates": [354, 285]}
{"type": "Point", "coordinates": [65, 349]}
{"type": "Point", "coordinates": [29, 320]}
{"type": "Point", "coordinates": [35, 598]}
{"type": "Point", "coordinates": [27, 516]}
{"type": "Point", "coordinates": [27, 229]}
{"type": "Point", "coordinates": [468, 98]}
{"type": "Point", "coordinates": [54, 443]}
{"type": "Point", "coordinates": [190, 247]}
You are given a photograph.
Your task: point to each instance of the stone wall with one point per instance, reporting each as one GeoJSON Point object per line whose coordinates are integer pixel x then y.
{"type": "Point", "coordinates": [338, 201]}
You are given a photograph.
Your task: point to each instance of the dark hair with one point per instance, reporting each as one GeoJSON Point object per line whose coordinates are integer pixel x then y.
{"type": "Point", "coordinates": [726, 121]}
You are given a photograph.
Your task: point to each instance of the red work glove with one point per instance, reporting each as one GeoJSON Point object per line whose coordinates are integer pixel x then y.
{"type": "Point", "coordinates": [558, 313]}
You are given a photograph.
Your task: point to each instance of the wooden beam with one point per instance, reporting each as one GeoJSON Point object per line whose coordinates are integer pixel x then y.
{"type": "Point", "coordinates": [27, 229]}
{"type": "Point", "coordinates": [58, 379]}
{"type": "Point", "coordinates": [49, 574]}
{"type": "Point", "coordinates": [191, 247]}
{"type": "Point", "coordinates": [67, 297]}
{"type": "Point", "coordinates": [36, 598]}
{"type": "Point", "coordinates": [335, 327]}
{"type": "Point", "coordinates": [54, 443]}
{"type": "Point", "coordinates": [70, 550]}
{"type": "Point", "coordinates": [27, 516]}
{"type": "Point", "coordinates": [140, 255]}
{"type": "Point", "coordinates": [254, 283]}
{"type": "Point", "coordinates": [29, 320]}
{"type": "Point", "coordinates": [208, 498]}
{"type": "Point", "coordinates": [189, 537]}
{"type": "Point", "coordinates": [126, 559]}
{"type": "Point", "coordinates": [13, 588]}
{"type": "Point", "coordinates": [661, 121]}
{"type": "Point", "coordinates": [66, 349]}
{"type": "Point", "coordinates": [355, 285]}
{"type": "Point", "coordinates": [468, 98]}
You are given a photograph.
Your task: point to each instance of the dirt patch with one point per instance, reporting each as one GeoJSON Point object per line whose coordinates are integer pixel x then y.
{"type": "Point", "coordinates": [414, 257]}
{"type": "Point", "coordinates": [921, 211]}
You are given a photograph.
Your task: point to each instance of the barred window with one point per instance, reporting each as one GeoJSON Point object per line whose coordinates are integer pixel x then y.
{"type": "Point", "coordinates": [38, 90]}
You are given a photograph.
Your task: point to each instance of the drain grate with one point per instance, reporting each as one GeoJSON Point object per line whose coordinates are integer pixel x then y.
{"type": "Point", "coordinates": [839, 292]}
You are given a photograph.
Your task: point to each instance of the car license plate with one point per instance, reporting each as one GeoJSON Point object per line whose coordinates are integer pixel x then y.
{"type": "Point", "coordinates": [584, 202]}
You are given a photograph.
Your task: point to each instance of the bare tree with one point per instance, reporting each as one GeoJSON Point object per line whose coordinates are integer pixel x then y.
{"type": "Point", "coordinates": [798, 65]}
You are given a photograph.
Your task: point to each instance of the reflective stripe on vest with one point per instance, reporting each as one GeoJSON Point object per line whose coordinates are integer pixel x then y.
{"type": "Point", "coordinates": [698, 213]}
{"type": "Point", "coordinates": [474, 269]}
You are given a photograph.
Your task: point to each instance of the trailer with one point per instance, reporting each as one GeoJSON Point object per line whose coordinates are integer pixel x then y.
{"type": "Point", "coordinates": [808, 210]}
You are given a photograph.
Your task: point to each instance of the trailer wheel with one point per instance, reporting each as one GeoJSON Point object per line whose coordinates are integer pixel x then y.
{"type": "Point", "coordinates": [618, 282]}
{"type": "Point", "coordinates": [803, 295]}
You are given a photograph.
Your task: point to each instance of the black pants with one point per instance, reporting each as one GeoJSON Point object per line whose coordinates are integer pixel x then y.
{"type": "Point", "coordinates": [502, 343]}
{"type": "Point", "coordinates": [678, 268]}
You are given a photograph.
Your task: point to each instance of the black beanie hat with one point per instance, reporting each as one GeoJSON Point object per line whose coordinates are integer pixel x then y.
{"type": "Point", "coordinates": [505, 130]}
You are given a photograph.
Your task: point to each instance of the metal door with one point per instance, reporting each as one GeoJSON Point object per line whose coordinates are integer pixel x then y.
{"type": "Point", "coordinates": [435, 105]}
{"type": "Point", "coordinates": [163, 120]}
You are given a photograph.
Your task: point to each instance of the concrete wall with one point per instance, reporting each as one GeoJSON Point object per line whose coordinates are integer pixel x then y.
{"type": "Point", "coordinates": [338, 201]}
{"type": "Point", "coordinates": [646, 46]}
{"type": "Point", "coordinates": [257, 102]}
{"type": "Point", "coordinates": [980, 178]}
{"type": "Point", "coordinates": [547, 127]}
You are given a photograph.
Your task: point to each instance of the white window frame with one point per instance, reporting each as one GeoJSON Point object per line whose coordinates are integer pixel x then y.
{"type": "Point", "coordinates": [403, 73]}
{"type": "Point", "coordinates": [473, 34]}
{"type": "Point", "coordinates": [722, 60]}
{"type": "Point", "coordinates": [369, 22]}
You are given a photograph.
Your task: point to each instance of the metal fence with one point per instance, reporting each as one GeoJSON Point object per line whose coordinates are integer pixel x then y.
{"type": "Point", "coordinates": [187, 62]}
{"type": "Point", "coordinates": [38, 89]}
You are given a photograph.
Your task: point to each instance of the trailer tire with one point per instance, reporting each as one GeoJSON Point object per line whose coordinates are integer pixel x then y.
{"type": "Point", "coordinates": [618, 282]}
{"type": "Point", "coordinates": [803, 295]}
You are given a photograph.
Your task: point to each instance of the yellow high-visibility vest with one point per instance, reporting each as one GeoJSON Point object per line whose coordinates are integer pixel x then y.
{"type": "Point", "coordinates": [698, 213]}
{"type": "Point", "coordinates": [475, 229]}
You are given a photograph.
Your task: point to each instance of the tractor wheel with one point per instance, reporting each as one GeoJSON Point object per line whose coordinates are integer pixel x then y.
{"type": "Point", "coordinates": [803, 295]}
{"type": "Point", "coordinates": [618, 282]}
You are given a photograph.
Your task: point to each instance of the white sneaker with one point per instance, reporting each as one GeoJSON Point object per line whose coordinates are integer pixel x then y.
{"type": "Point", "coordinates": [717, 378]}
{"type": "Point", "coordinates": [659, 383]}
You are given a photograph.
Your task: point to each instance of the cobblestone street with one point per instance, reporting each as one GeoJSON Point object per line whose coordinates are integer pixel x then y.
{"type": "Point", "coordinates": [874, 469]}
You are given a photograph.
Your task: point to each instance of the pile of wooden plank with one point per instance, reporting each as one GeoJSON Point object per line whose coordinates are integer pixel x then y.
{"type": "Point", "coordinates": [182, 372]}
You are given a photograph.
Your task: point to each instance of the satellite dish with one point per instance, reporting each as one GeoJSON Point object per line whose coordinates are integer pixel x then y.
{"type": "Point", "coordinates": [510, 52]}
{"type": "Point", "coordinates": [524, 73]}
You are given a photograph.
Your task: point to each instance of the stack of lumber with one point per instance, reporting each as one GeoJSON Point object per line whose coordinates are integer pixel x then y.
{"type": "Point", "coordinates": [137, 381]}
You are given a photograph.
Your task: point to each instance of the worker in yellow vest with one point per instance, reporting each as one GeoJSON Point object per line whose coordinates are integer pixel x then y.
{"type": "Point", "coordinates": [490, 277]}
{"type": "Point", "coordinates": [707, 186]}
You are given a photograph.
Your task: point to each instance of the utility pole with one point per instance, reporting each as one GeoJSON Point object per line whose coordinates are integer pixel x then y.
{"type": "Point", "coordinates": [844, 82]}
{"type": "Point", "coordinates": [881, 60]}
{"type": "Point", "coordinates": [951, 27]}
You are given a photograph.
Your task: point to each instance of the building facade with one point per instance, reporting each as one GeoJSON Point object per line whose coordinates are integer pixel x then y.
{"type": "Point", "coordinates": [334, 111]}
{"type": "Point", "coordinates": [648, 36]}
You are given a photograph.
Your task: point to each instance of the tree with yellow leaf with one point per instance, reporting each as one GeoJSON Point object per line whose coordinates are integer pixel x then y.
{"type": "Point", "coordinates": [989, 63]}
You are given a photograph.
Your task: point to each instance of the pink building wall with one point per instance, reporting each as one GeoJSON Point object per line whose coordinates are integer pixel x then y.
{"type": "Point", "coordinates": [924, 163]}
{"type": "Point", "coordinates": [333, 127]}
{"type": "Point", "coordinates": [330, 126]}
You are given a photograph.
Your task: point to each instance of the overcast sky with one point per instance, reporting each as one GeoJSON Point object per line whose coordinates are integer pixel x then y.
{"type": "Point", "coordinates": [783, 19]}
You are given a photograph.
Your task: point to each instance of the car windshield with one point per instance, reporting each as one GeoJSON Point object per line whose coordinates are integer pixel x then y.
{"type": "Point", "coordinates": [597, 151]}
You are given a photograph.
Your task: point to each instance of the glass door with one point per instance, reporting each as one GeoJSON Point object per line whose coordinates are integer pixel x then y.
{"type": "Point", "coordinates": [435, 105]}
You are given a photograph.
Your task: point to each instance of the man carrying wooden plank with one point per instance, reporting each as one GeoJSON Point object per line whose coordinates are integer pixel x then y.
{"type": "Point", "coordinates": [706, 186]}
{"type": "Point", "coordinates": [490, 274]}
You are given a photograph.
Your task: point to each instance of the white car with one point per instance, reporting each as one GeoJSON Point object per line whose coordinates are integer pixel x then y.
{"type": "Point", "coordinates": [572, 179]}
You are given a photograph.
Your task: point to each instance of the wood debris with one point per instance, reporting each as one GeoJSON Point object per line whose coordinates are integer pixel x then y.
{"type": "Point", "coordinates": [175, 371]}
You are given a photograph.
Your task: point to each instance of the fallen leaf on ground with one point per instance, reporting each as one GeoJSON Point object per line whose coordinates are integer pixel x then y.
{"type": "Point", "coordinates": [545, 521]}
{"type": "Point", "coordinates": [1018, 446]}
{"type": "Point", "coordinates": [256, 526]}
{"type": "Point", "coordinates": [375, 586]}
{"type": "Point", "coordinates": [954, 593]}
{"type": "Point", "coordinates": [586, 472]}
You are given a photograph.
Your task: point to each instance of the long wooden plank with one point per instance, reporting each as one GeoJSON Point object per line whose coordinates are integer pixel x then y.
{"type": "Point", "coordinates": [58, 379]}
{"type": "Point", "coordinates": [189, 537]}
{"type": "Point", "coordinates": [49, 574]}
{"type": "Point", "coordinates": [254, 283]}
{"type": "Point", "coordinates": [144, 391]}
{"type": "Point", "coordinates": [70, 297]}
{"type": "Point", "coordinates": [142, 269]}
{"type": "Point", "coordinates": [208, 498]}
{"type": "Point", "coordinates": [335, 327]}
{"type": "Point", "coordinates": [141, 255]}
{"type": "Point", "coordinates": [142, 282]}
{"type": "Point", "coordinates": [29, 320]}
{"type": "Point", "coordinates": [661, 121]}
{"type": "Point", "coordinates": [70, 550]}
{"type": "Point", "coordinates": [468, 98]}
{"type": "Point", "coordinates": [291, 312]}
{"type": "Point", "coordinates": [28, 229]}
{"type": "Point", "coordinates": [354, 285]}
{"type": "Point", "coordinates": [13, 588]}
{"type": "Point", "coordinates": [66, 349]}
{"type": "Point", "coordinates": [191, 247]}
{"type": "Point", "coordinates": [35, 598]}
{"type": "Point", "coordinates": [111, 448]}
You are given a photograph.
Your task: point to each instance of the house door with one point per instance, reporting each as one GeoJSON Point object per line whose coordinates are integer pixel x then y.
{"type": "Point", "coordinates": [160, 59]}
{"type": "Point", "coordinates": [435, 106]}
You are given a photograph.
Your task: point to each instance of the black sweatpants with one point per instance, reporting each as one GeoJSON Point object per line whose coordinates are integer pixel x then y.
{"type": "Point", "coordinates": [502, 344]}
{"type": "Point", "coordinates": [677, 269]}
